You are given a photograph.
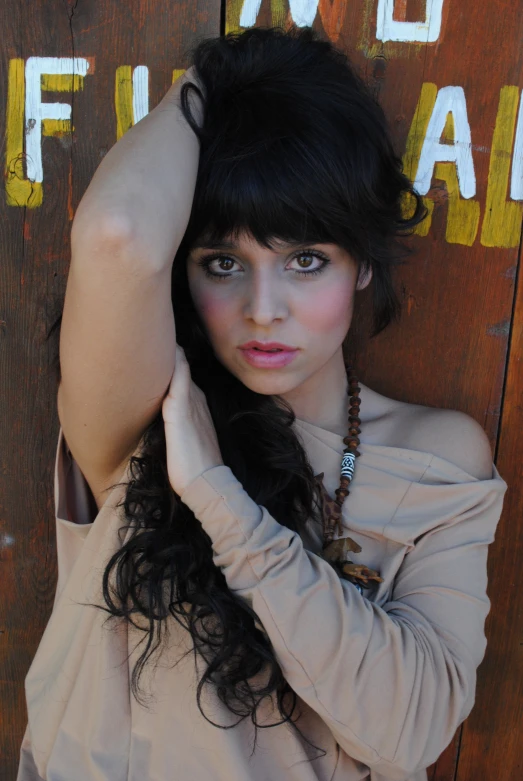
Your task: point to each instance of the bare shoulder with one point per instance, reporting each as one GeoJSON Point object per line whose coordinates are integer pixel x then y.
{"type": "Point", "coordinates": [449, 434]}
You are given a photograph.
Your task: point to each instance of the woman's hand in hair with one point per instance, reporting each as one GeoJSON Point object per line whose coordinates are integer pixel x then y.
{"type": "Point", "coordinates": [191, 440]}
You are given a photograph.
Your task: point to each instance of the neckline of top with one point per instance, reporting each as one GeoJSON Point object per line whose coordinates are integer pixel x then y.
{"type": "Point", "coordinates": [430, 459]}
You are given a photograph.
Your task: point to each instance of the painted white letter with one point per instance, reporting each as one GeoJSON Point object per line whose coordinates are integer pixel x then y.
{"type": "Point", "coordinates": [140, 92]}
{"type": "Point", "coordinates": [388, 29]}
{"type": "Point", "coordinates": [516, 182]}
{"type": "Point", "coordinates": [449, 100]}
{"type": "Point", "coordinates": [249, 12]}
{"type": "Point", "coordinates": [303, 12]}
{"type": "Point", "coordinates": [35, 110]}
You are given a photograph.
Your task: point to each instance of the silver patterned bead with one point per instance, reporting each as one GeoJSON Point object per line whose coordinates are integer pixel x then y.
{"type": "Point", "coordinates": [347, 465]}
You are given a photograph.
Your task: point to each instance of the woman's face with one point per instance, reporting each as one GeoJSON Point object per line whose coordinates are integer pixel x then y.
{"type": "Point", "coordinates": [265, 295]}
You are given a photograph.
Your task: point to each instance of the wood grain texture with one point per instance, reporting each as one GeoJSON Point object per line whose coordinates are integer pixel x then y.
{"type": "Point", "coordinates": [32, 266]}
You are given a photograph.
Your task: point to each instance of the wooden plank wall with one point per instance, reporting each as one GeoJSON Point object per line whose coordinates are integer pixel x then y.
{"type": "Point", "coordinates": [449, 75]}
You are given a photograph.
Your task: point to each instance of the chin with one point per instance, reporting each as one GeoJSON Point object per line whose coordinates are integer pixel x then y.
{"type": "Point", "coordinates": [263, 381]}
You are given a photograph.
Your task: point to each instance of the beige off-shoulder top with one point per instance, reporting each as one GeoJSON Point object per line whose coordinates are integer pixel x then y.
{"type": "Point", "coordinates": [383, 678]}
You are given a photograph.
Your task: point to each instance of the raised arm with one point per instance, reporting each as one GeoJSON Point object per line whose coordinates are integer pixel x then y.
{"type": "Point", "coordinates": [117, 341]}
{"type": "Point", "coordinates": [143, 189]}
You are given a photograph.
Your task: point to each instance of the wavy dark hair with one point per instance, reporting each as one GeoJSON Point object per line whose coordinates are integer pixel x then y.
{"type": "Point", "coordinates": [293, 147]}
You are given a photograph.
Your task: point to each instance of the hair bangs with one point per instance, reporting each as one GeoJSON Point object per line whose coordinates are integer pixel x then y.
{"type": "Point", "coordinates": [268, 197]}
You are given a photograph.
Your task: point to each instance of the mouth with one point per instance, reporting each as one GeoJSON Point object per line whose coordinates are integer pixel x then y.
{"type": "Point", "coordinates": [268, 357]}
{"type": "Point", "coordinates": [267, 346]}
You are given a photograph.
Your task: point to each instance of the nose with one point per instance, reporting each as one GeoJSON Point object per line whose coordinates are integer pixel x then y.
{"type": "Point", "coordinates": [265, 298]}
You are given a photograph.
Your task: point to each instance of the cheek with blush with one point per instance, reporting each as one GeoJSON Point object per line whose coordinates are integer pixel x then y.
{"type": "Point", "coordinates": [217, 314]}
{"type": "Point", "coordinates": [329, 311]}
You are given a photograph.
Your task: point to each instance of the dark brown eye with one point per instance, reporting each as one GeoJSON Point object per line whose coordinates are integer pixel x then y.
{"type": "Point", "coordinates": [227, 262]}
{"type": "Point", "coordinates": [309, 256]}
{"type": "Point", "coordinates": [220, 261]}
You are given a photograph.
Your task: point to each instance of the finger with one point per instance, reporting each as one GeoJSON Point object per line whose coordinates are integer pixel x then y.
{"type": "Point", "coordinates": [181, 362]}
{"type": "Point", "coordinates": [181, 376]}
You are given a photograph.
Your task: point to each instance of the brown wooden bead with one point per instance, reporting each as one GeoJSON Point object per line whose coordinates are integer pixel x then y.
{"type": "Point", "coordinates": [354, 411]}
{"type": "Point", "coordinates": [354, 430]}
{"type": "Point", "coordinates": [355, 401]}
{"type": "Point", "coordinates": [344, 482]}
{"type": "Point", "coordinates": [354, 442]}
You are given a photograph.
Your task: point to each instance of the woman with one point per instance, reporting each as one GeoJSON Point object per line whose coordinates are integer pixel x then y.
{"type": "Point", "coordinates": [347, 623]}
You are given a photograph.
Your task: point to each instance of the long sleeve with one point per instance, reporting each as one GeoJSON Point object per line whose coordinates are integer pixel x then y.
{"type": "Point", "coordinates": [392, 682]}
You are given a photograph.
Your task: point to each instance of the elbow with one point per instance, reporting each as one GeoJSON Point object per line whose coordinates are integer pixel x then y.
{"type": "Point", "coordinates": [111, 227]}
{"type": "Point", "coordinates": [435, 722]}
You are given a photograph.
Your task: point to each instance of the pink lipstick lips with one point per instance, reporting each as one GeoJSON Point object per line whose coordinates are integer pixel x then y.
{"type": "Point", "coordinates": [268, 355]}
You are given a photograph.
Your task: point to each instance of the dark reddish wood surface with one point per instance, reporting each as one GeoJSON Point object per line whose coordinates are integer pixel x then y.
{"type": "Point", "coordinates": [459, 343]}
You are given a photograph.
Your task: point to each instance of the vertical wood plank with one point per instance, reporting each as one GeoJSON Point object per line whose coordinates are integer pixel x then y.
{"type": "Point", "coordinates": [491, 742]}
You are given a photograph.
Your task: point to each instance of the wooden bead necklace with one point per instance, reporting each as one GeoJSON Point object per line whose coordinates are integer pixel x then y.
{"type": "Point", "coordinates": [335, 551]}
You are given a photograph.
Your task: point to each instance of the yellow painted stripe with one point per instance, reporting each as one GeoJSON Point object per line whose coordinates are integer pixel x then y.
{"type": "Point", "coordinates": [19, 190]}
{"type": "Point", "coordinates": [502, 221]}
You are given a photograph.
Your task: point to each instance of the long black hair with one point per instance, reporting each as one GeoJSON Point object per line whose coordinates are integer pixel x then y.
{"type": "Point", "coordinates": [293, 147]}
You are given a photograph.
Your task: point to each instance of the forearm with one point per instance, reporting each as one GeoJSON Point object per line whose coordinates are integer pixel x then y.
{"type": "Point", "coordinates": [146, 181]}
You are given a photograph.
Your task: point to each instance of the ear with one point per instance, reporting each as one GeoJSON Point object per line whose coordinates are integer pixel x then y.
{"type": "Point", "coordinates": [364, 280]}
